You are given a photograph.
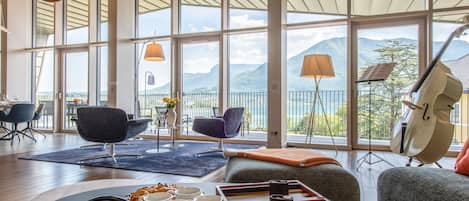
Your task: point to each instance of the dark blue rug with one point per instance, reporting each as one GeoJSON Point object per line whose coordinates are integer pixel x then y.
{"type": "Point", "coordinates": [179, 161]}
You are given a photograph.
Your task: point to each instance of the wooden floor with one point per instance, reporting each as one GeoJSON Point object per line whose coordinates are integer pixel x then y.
{"type": "Point", "coordinates": [24, 179]}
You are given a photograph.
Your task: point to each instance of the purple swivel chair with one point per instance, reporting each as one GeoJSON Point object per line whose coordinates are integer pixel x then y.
{"type": "Point", "coordinates": [224, 127]}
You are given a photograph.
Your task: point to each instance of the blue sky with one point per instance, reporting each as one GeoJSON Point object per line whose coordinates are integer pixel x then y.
{"type": "Point", "coordinates": [244, 49]}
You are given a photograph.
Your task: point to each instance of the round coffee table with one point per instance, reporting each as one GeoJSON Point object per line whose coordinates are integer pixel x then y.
{"type": "Point", "coordinates": [120, 187]}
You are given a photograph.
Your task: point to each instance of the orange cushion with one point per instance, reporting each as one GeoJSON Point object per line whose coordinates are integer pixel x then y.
{"type": "Point", "coordinates": [462, 162]}
{"type": "Point", "coordinates": [292, 157]}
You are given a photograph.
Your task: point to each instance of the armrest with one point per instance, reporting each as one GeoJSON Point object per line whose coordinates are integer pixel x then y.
{"type": "Point", "coordinates": [136, 127]}
{"type": "Point", "coordinates": [209, 126]}
{"type": "Point", "coordinates": [139, 121]}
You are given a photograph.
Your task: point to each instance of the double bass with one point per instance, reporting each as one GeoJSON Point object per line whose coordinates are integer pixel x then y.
{"type": "Point", "coordinates": [424, 132]}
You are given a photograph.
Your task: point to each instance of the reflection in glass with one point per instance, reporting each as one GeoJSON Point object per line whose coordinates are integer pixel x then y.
{"type": "Point", "coordinates": [315, 10]}
{"type": "Point", "coordinates": [103, 24]}
{"type": "Point", "coordinates": [242, 17]}
{"type": "Point", "coordinates": [77, 21]}
{"type": "Point", "coordinates": [154, 18]}
{"type": "Point", "coordinates": [44, 22]}
{"type": "Point", "coordinates": [382, 7]}
{"type": "Point", "coordinates": [449, 4]}
{"type": "Point", "coordinates": [200, 16]}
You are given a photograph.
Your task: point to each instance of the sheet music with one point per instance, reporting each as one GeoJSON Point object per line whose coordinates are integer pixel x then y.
{"type": "Point", "coordinates": [379, 72]}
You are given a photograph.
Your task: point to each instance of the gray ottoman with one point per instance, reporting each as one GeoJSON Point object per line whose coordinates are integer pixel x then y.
{"type": "Point", "coordinates": [330, 180]}
{"type": "Point", "coordinates": [425, 184]}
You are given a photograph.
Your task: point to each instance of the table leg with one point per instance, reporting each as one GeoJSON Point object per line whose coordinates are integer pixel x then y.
{"type": "Point", "coordinates": [157, 150]}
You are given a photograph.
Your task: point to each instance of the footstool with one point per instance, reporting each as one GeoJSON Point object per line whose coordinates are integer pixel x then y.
{"type": "Point", "coordinates": [330, 180]}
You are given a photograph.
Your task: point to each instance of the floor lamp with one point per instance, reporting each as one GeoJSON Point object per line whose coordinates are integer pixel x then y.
{"type": "Point", "coordinates": [317, 66]}
{"type": "Point", "coordinates": [154, 52]}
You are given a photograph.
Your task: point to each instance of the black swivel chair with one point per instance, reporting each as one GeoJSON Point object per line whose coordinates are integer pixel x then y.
{"type": "Point", "coordinates": [19, 113]}
{"type": "Point", "coordinates": [109, 126]}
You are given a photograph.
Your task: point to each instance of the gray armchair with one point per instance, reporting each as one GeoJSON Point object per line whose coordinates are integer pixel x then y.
{"type": "Point", "coordinates": [109, 126]}
{"type": "Point", "coordinates": [224, 127]}
{"type": "Point", "coordinates": [19, 113]}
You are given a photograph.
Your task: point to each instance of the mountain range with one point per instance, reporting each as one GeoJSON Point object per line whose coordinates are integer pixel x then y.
{"type": "Point", "coordinates": [253, 77]}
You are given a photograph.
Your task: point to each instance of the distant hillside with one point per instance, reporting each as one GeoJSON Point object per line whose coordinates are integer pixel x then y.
{"type": "Point", "coordinates": [460, 68]}
{"type": "Point", "coordinates": [207, 81]}
{"type": "Point", "coordinates": [252, 77]}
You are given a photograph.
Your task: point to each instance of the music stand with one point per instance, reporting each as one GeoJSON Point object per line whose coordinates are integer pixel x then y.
{"type": "Point", "coordinates": [376, 73]}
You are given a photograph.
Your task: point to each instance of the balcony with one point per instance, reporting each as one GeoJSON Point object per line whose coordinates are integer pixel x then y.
{"type": "Point", "coordinates": [298, 106]}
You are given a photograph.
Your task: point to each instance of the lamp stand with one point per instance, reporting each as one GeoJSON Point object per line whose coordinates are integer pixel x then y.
{"type": "Point", "coordinates": [367, 158]}
{"type": "Point", "coordinates": [310, 127]}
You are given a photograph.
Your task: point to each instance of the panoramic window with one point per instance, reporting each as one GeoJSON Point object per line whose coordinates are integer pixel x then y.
{"type": "Point", "coordinates": [200, 16]}
{"type": "Point", "coordinates": [397, 44]}
{"type": "Point", "coordinates": [44, 24]}
{"type": "Point", "coordinates": [325, 40]}
{"type": "Point", "coordinates": [44, 86]}
{"type": "Point", "coordinates": [456, 57]}
{"type": "Point", "coordinates": [315, 10]}
{"type": "Point", "coordinates": [154, 82]}
{"type": "Point", "coordinates": [248, 82]}
{"type": "Point", "coordinates": [76, 21]}
{"type": "Point", "coordinates": [244, 15]}
{"type": "Point", "coordinates": [103, 75]}
{"type": "Point", "coordinates": [103, 20]}
{"type": "Point", "coordinates": [154, 18]}
{"type": "Point", "coordinates": [382, 7]}
{"type": "Point", "coordinates": [200, 81]}
{"type": "Point", "coordinates": [76, 85]}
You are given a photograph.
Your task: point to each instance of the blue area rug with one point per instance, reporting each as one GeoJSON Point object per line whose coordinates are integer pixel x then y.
{"type": "Point", "coordinates": [179, 161]}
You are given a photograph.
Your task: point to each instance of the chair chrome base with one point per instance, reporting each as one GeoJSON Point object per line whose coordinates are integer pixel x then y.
{"type": "Point", "coordinates": [104, 145]}
{"type": "Point", "coordinates": [16, 133]}
{"type": "Point", "coordinates": [220, 148]}
{"type": "Point", "coordinates": [112, 154]}
{"type": "Point", "coordinates": [32, 131]}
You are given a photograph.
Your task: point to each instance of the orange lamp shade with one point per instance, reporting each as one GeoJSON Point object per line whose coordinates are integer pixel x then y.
{"type": "Point", "coordinates": [154, 52]}
{"type": "Point", "coordinates": [317, 66]}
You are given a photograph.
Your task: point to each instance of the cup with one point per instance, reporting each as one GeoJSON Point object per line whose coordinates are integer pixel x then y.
{"type": "Point", "coordinates": [159, 196]}
{"type": "Point", "coordinates": [208, 198]}
{"type": "Point", "coordinates": [187, 192]}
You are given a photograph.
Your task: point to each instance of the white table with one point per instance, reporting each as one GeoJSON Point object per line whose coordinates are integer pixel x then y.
{"type": "Point", "coordinates": [108, 184]}
{"type": "Point", "coordinates": [72, 189]}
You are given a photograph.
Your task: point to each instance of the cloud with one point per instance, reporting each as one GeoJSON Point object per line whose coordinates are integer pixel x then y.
{"type": "Point", "coordinates": [248, 48]}
{"type": "Point", "coordinates": [243, 21]}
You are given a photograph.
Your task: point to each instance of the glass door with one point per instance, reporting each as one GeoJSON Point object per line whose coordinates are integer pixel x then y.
{"type": "Point", "coordinates": [75, 85]}
{"type": "Point", "coordinates": [44, 88]}
{"type": "Point", "coordinates": [379, 103]}
{"type": "Point", "coordinates": [200, 81]}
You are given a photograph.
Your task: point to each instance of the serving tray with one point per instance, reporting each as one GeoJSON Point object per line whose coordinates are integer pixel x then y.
{"type": "Point", "coordinates": [260, 192]}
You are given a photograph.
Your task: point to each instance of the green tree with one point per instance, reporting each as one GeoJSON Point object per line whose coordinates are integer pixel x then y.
{"type": "Point", "coordinates": [386, 96]}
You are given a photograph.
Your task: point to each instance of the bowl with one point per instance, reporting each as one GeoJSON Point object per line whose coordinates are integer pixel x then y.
{"type": "Point", "coordinates": [159, 196]}
{"type": "Point", "coordinates": [208, 198]}
{"type": "Point", "coordinates": [187, 192]}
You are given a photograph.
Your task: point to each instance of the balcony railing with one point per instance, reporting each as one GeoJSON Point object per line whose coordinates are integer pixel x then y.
{"type": "Point", "coordinates": [298, 108]}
